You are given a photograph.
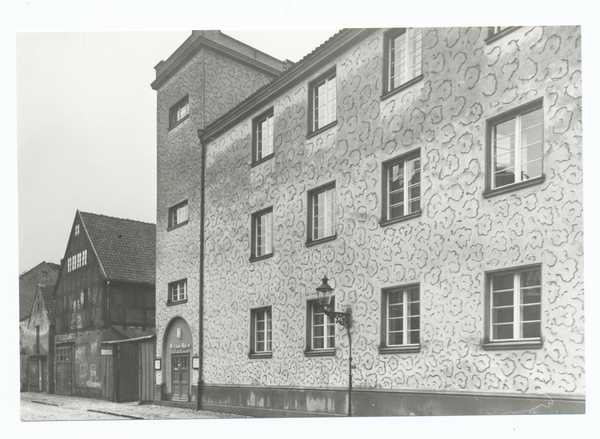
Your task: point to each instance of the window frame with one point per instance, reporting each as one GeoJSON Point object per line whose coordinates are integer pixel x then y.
{"type": "Point", "coordinates": [171, 285]}
{"type": "Point", "coordinates": [267, 353]}
{"type": "Point", "coordinates": [311, 194]}
{"type": "Point", "coordinates": [493, 34]}
{"type": "Point", "coordinates": [77, 229]}
{"type": "Point", "coordinates": [253, 238]}
{"type": "Point", "coordinates": [490, 125]}
{"type": "Point", "coordinates": [389, 36]}
{"type": "Point", "coordinates": [310, 350]}
{"type": "Point", "coordinates": [384, 347]}
{"type": "Point", "coordinates": [269, 114]}
{"type": "Point", "coordinates": [312, 87]}
{"type": "Point", "coordinates": [174, 208]}
{"type": "Point", "coordinates": [385, 169]}
{"type": "Point", "coordinates": [488, 342]}
{"type": "Point", "coordinates": [174, 120]}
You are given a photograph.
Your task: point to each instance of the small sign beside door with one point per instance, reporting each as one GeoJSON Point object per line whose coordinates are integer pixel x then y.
{"type": "Point", "coordinates": [196, 362]}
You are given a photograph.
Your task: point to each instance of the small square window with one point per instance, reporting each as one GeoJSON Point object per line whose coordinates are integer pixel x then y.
{"type": "Point", "coordinates": [179, 112]}
{"type": "Point", "coordinates": [400, 320]}
{"type": "Point", "coordinates": [178, 292]}
{"type": "Point", "coordinates": [261, 333]}
{"type": "Point", "coordinates": [321, 214]}
{"type": "Point", "coordinates": [262, 137]}
{"type": "Point", "coordinates": [403, 61]}
{"type": "Point", "coordinates": [44, 275]}
{"type": "Point", "coordinates": [401, 185]}
{"type": "Point", "coordinates": [262, 234]}
{"type": "Point", "coordinates": [323, 102]}
{"type": "Point", "coordinates": [320, 330]}
{"type": "Point", "coordinates": [178, 214]}
{"type": "Point", "coordinates": [514, 308]}
{"type": "Point", "coordinates": [515, 148]}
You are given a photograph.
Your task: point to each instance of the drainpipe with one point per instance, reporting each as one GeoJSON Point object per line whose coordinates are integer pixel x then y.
{"type": "Point", "coordinates": [201, 275]}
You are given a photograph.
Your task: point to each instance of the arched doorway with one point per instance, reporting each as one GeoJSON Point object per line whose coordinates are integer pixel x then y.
{"type": "Point", "coordinates": [177, 351]}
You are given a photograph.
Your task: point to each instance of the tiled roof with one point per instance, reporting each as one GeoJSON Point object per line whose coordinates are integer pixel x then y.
{"type": "Point", "coordinates": [126, 248]}
{"type": "Point", "coordinates": [55, 267]}
{"type": "Point", "coordinates": [49, 303]}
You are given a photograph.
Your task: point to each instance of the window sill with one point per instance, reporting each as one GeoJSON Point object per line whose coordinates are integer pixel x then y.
{"type": "Point", "coordinates": [512, 344]}
{"type": "Point", "coordinates": [319, 353]}
{"type": "Point", "coordinates": [320, 241]}
{"type": "Point", "coordinates": [260, 258]}
{"type": "Point", "coordinates": [179, 122]}
{"type": "Point", "coordinates": [501, 34]}
{"type": "Point", "coordinates": [177, 303]}
{"type": "Point", "coordinates": [176, 226]}
{"type": "Point", "coordinates": [514, 186]}
{"type": "Point", "coordinates": [264, 159]}
{"type": "Point", "coordinates": [401, 87]}
{"type": "Point", "coordinates": [400, 219]}
{"type": "Point", "coordinates": [322, 129]}
{"type": "Point", "coordinates": [406, 349]}
{"type": "Point", "coordinates": [261, 355]}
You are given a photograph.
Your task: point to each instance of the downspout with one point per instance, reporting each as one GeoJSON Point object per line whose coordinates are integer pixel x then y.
{"type": "Point", "coordinates": [201, 274]}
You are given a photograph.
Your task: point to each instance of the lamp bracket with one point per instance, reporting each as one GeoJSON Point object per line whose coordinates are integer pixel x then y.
{"type": "Point", "coordinates": [343, 318]}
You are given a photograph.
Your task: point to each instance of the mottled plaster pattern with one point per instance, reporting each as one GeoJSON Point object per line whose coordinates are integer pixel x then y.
{"type": "Point", "coordinates": [458, 237]}
{"type": "Point", "coordinates": [179, 170]}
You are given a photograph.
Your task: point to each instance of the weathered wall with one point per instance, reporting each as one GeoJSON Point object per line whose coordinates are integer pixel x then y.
{"type": "Point", "coordinates": [28, 283]}
{"type": "Point", "coordinates": [458, 237]}
{"type": "Point", "coordinates": [179, 171]}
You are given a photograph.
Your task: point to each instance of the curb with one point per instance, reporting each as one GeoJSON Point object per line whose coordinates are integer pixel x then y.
{"type": "Point", "coordinates": [105, 412]}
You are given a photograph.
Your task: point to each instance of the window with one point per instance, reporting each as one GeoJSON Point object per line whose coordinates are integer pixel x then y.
{"type": "Point", "coordinates": [404, 57]}
{"type": "Point", "coordinates": [179, 112]}
{"type": "Point", "coordinates": [323, 102]}
{"type": "Point", "coordinates": [178, 292]}
{"type": "Point", "coordinates": [37, 339]}
{"type": "Point", "coordinates": [321, 214]}
{"type": "Point", "coordinates": [321, 330]}
{"type": "Point", "coordinates": [262, 140]}
{"type": "Point", "coordinates": [44, 275]}
{"type": "Point", "coordinates": [515, 148]}
{"type": "Point", "coordinates": [178, 215]}
{"type": "Point", "coordinates": [261, 333]}
{"type": "Point", "coordinates": [76, 229]}
{"type": "Point", "coordinates": [82, 298]}
{"type": "Point", "coordinates": [496, 32]}
{"type": "Point", "coordinates": [77, 261]}
{"type": "Point", "coordinates": [400, 319]}
{"type": "Point", "coordinates": [514, 308]}
{"type": "Point", "coordinates": [401, 184]}
{"type": "Point", "coordinates": [63, 353]}
{"type": "Point", "coordinates": [262, 234]}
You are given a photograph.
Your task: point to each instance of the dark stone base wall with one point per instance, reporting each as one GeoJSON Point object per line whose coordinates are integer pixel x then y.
{"type": "Point", "coordinates": [293, 402]}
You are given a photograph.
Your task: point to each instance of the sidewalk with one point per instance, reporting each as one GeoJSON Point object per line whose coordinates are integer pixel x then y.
{"type": "Point", "coordinates": [127, 410]}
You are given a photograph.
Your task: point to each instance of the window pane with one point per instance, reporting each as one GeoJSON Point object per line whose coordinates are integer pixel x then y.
{"type": "Point", "coordinates": [531, 313]}
{"type": "Point", "coordinates": [503, 299]}
{"type": "Point", "coordinates": [503, 332]}
{"type": "Point", "coordinates": [503, 282]}
{"type": "Point", "coordinates": [531, 330]}
{"type": "Point", "coordinates": [396, 324]}
{"type": "Point", "coordinates": [395, 338]}
{"type": "Point", "coordinates": [503, 315]}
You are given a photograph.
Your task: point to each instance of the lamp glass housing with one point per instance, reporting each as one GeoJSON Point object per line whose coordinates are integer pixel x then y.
{"type": "Point", "coordinates": [324, 293]}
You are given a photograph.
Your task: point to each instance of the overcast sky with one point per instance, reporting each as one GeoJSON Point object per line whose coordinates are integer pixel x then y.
{"type": "Point", "coordinates": [87, 125]}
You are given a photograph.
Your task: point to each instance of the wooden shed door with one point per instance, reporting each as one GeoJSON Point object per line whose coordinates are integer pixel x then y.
{"type": "Point", "coordinates": [128, 370]}
{"type": "Point", "coordinates": [180, 376]}
{"type": "Point", "coordinates": [64, 370]}
{"type": "Point", "coordinates": [35, 375]}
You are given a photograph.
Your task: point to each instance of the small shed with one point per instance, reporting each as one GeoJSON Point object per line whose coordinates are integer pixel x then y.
{"type": "Point", "coordinates": [128, 369]}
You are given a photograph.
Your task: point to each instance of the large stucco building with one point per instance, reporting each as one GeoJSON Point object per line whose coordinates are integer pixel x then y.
{"type": "Point", "coordinates": [434, 175]}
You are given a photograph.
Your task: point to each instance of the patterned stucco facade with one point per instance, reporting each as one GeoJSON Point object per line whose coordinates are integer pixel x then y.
{"type": "Point", "coordinates": [214, 84]}
{"type": "Point", "coordinates": [459, 236]}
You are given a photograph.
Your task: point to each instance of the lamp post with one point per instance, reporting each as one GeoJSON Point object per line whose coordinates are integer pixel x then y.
{"type": "Point", "coordinates": [343, 318]}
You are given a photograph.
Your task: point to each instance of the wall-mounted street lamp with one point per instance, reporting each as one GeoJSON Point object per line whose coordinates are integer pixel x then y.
{"type": "Point", "coordinates": [324, 293]}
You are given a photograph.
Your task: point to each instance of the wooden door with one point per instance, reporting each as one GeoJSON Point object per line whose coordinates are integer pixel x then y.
{"type": "Point", "coordinates": [180, 376]}
{"type": "Point", "coordinates": [64, 370]}
{"type": "Point", "coordinates": [34, 375]}
{"type": "Point", "coordinates": [128, 372]}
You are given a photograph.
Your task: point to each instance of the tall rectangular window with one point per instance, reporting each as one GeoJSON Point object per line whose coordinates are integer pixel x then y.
{"type": "Point", "coordinates": [263, 137]}
{"type": "Point", "coordinates": [321, 329]}
{"type": "Point", "coordinates": [179, 111]}
{"type": "Point", "coordinates": [515, 146]}
{"type": "Point", "coordinates": [37, 339]}
{"type": "Point", "coordinates": [323, 95]}
{"type": "Point", "coordinates": [261, 333]}
{"type": "Point", "coordinates": [178, 291]}
{"type": "Point", "coordinates": [404, 55]}
{"type": "Point", "coordinates": [76, 229]}
{"type": "Point", "coordinates": [322, 213]}
{"type": "Point", "coordinates": [401, 186]}
{"type": "Point", "coordinates": [262, 233]}
{"type": "Point", "coordinates": [178, 214]}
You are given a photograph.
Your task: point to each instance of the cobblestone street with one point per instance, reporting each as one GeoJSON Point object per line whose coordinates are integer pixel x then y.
{"type": "Point", "coordinates": [45, 407]}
